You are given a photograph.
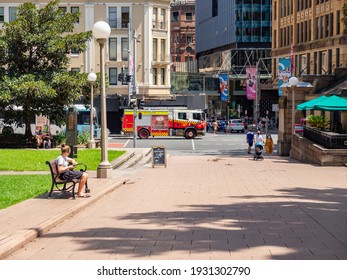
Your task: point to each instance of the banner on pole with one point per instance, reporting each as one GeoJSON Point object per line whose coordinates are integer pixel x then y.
{"type": "Point", "coordinates": [284, 73]}
{"type": "Point", "coordinates": [224, 87]}
{"type": "Point", "coordinates": [251, 83]}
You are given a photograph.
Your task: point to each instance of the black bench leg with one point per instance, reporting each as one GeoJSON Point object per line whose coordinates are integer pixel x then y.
{"type": "Point", "coordinates": [87, 190]}
{"type": "Point", "coordinates": [50, 193]}
{"type": "Point", "coordinates": [73, 190]}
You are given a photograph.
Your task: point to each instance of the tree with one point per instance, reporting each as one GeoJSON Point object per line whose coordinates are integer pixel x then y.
{"type": "Point", "coordinates": [34, 58]}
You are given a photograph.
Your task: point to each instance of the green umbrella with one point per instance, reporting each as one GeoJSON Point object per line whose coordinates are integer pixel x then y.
{"type": "Point", "coordinates": [332, 103]}
{"type": "Point", "coordinates": [310, 105]}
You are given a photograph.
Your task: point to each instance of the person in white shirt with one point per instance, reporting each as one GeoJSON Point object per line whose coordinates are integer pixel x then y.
{"type": "Point", "coordinates": [258, 137]}
{"type": "Point", "coordinates": [65, 167]}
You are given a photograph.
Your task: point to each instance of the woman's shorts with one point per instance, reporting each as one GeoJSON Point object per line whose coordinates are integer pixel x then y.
{"type": "Point", "coordinates": [70, 175]}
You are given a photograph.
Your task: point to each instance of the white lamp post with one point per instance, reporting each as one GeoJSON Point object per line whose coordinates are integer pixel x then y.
{"type": "Point", "coordinates": [91, 79]}
{"type": "Point", "coordinates": [101, 32]}
{"type": "Point", "coordinates": [293, 81]}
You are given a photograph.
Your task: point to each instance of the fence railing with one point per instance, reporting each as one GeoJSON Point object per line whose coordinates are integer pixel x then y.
{"type": "Point", "coordinates": [329, 140]}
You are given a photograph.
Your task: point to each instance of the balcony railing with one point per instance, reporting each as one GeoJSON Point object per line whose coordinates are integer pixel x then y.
{"type": "Point", "coordinates": [329, 140]}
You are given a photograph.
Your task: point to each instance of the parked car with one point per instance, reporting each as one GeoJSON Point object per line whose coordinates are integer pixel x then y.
{"type": "Point", "coordinates": [222, 125]}
{"type": "Point", "coordinates": [237, 126]}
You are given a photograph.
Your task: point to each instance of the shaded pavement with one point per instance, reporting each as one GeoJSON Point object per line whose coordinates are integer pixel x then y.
{"type": "Point", "coordinates": [199, 207]}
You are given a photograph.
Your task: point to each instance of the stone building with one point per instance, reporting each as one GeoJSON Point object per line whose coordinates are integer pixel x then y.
{"type": "Point", "coordinates": [150, 51]}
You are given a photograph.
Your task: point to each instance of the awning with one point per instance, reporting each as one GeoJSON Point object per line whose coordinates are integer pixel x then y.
{"type": "Point", "coordinates": [332, 103]}
{"type": "Point", "coordinates": [309, 105]}
{"type": "Point", "coordinates": [325, 103]}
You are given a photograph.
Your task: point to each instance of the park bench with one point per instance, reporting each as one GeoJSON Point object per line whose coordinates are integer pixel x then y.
{"type": "Point", "coordinates": [64, 185]}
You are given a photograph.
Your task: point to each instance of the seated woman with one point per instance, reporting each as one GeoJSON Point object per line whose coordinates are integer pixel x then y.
{"type": "Point", "coordinates": [47, 143]}
{"type": "Point", "coordinates": [65, 167]}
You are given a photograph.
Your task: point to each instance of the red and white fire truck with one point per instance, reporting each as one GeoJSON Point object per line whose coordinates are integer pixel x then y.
{"type": "Point", "coordinates": [166, 122]}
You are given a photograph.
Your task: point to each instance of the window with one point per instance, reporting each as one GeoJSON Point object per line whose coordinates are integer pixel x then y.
{"type": "Point", "coordinates": [63, 10]}
{"type": "Point", "coordinates": [112, 46]}
{"type": "Point", "coordinates": [74, 52]}
{"type": "Point", "coordinates": [125, 47]}
{"type": "Point", "coordinates": [75, 10]}
{"type": "Point", "coordinates": [13, 14]}
{"type": "Point", "coordinates": [112, 17]}
{"type": "Point", "coordinates": [162, 19]}
{"type": "Point", "coordinates": [214, 8]}
{"type": "Point", "coordinates": [189, 39]}
{"type": "Point", "coordinates": [155, 17]}
{"type": "Point", "coordinates": [175, 16]}
{"type": "Point", "coordinates": [75, 70]}
{"type": "Point", "coordinates": [197, 116]}
{"type": "Point", "coordinates": [154, 70]}
{"type": "Point", "coordinates": [162, 49]}
{"type": "Point", "coordinates": [125, 17]}
{"type": "Point", "coordinates": [189, 16]}
{"type": "Point", "coordinates": [112, 76]}
{"type": "Point", "coordinates": [182, 115]}
{"type": "Point", "coordinates": [155, 49]}
{"type": "Point", "coordinates": [162, 76]}
{"type": "Point", "coordinates": [2, 16]}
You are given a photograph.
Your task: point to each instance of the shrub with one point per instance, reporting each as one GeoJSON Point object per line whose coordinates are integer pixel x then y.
{"type": "Point", "coordinates": [83, 138]}
{"type": "Point", "coordinates": [318, 121]}
{"type": "Point", "coordinates": [60, 138]}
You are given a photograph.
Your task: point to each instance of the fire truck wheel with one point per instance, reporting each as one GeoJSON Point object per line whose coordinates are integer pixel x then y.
{"type": "Point", "coordinates": [143, 133]}
{"type": "Point", "coordinates": [190, 134]}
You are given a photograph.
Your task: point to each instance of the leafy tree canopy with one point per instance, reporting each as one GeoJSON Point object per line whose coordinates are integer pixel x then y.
{"type": "Point", "coordinates": [34, 56]}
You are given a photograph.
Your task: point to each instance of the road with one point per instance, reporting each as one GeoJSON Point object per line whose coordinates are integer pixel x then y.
{"type": "Point", "coordinates": [221, 144]}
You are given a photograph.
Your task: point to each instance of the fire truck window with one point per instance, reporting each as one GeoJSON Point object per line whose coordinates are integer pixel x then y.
{"type": "Point", "coordinates": [197, 116]}
{"type": "Point", "coordinates": [182, 116]}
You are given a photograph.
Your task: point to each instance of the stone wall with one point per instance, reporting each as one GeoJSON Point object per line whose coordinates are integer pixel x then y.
{"type": "Point", "coordinates": [307, 151]}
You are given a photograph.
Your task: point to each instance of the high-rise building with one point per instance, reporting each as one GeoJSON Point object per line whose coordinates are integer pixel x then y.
{"type": "Point", "coordinates": [231, 36]}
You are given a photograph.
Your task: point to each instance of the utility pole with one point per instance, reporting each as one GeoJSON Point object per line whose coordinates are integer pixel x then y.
{"type": "Point", "coordinates": [129, 64]}
{"type": "Point", "coordinates": [134, 65]}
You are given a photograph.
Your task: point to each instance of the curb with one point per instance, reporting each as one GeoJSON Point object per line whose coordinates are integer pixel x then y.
{"type": "Point", "coordinates": [14, 242]}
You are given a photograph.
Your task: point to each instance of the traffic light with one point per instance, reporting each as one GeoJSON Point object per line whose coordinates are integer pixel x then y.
{"type": "Point", "coordinates": [140, 104]}
{"type": "Point", "coordinates": [128, 78]}
{"type": "Point", "coordinates": [228, 102]}
{"type": "Point", "coordinates": [121, 77]}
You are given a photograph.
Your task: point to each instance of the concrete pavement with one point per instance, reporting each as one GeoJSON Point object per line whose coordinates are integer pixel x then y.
{"type": "Point", "coordinates": [199, 207]}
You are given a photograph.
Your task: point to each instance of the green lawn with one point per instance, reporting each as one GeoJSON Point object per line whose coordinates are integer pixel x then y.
{"type": "Point", "coordinates": [17, 188]}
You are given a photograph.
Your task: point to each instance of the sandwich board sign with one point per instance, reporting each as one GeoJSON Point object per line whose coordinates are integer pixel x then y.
{"type": "Point", "coordinates": [158, 156]}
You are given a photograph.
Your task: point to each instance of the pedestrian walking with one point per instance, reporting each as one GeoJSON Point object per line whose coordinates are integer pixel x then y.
{"type": "Point", "coordinates": [249, 139]}
{"type": "Point", "coordinates": [215, 127]}
{"type": "Point", "coordinates": [269, 145]}
{"type": "Point", "coordinates": [258, 137]}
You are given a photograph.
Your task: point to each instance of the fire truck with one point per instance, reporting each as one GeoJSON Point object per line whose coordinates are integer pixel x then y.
{"type": "Point", "coordinates": [166, 122]}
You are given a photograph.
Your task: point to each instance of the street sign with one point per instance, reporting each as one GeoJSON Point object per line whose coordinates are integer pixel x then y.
{"type": "Point", "coordinates": [158, 156]}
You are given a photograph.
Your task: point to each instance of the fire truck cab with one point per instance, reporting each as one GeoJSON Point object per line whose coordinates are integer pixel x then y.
{"type": "Point", "coordinates": [169, 122]}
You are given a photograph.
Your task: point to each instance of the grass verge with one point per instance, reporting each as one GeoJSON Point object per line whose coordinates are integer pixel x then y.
{"type": "Point", "coordinates": [17, 188]}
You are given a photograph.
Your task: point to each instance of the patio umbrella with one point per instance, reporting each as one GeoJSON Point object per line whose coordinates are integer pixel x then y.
{"type": "Point", "coordinates": [332, 103]}
{"type": "Point", "coordinates": [309, 105]}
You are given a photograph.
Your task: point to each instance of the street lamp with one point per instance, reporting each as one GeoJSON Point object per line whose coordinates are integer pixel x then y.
{"type": "Point", "coordinates": [101, 32]}
{"type": "Point", "coordinates": [91, 79]}
{"type": "Point", "coordinates": [293, 82]}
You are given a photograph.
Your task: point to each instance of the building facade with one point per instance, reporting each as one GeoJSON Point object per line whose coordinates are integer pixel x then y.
{"type": "Point", "coordinates": [231, 36]}
{"type": "Point", "coordinates": [183, 31]}
{"type": "Point", "coordinates": [149, 20]}
{"type": "Point", "coordinates": [146, 44]}
{"type": "Point", "coordinates": [312, 33]}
